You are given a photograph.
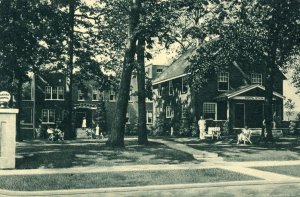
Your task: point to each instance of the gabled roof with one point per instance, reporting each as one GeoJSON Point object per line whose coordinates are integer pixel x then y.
{"type": "Point", "coordinates": [177, 68]}
{"type": "Point", "coordinates": [243, 89]}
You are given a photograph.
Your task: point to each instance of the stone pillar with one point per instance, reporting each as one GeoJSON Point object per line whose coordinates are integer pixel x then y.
{"type": "Point", "coordinates": [7, 138]}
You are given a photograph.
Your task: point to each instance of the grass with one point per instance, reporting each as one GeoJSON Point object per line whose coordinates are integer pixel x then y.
{"type": "Point", "coordinates": [290, 170]}
{"type": "Point", "coordinates": [43, 154]}
{"type": "Point", "coordinates": [284, 149]}
{"type": "Point", "coordinates": [116, 179]}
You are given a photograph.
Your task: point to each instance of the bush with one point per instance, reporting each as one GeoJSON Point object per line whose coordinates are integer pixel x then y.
{"type": "Point", "coordinates": [292, 127]}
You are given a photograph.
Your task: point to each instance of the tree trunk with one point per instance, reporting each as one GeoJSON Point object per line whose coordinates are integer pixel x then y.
{"type": "Point", "coordinates": [268, 102]}
{"type": "Point", "coordinates": [142, 129]}
{"type": "Point", "coordinates": [18, 106]}
{"type": "Point", "coordinates": [72, 133]}
{"type": "Point", "coordinates": [116, 138]}
{"type": "Point", "coordinates": [270, 70]}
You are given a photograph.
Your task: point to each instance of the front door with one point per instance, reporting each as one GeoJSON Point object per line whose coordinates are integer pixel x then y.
{"type": "Point", "coordinates": [239, 115]}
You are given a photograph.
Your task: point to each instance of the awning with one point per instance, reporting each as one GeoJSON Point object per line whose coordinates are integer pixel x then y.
{"type": "Point", "coordinates": [246, 93]}
{"type": "Point", "coordinates": [85, 106]}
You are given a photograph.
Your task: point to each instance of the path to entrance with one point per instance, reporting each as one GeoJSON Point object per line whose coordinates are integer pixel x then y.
{"type": "Point", "coordinates": [213, 160]}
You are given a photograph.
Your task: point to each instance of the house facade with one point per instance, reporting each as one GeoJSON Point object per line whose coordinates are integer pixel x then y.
{"type": "Point", "coordinates": [235, 95]}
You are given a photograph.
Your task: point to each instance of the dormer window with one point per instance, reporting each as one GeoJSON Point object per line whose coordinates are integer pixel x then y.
{"type": "Point", "coordinates": [223, 81]}
{"type": "Point", "coordinates": [256, 78]}
{"type": "Point", "coordinates": [159, 70]}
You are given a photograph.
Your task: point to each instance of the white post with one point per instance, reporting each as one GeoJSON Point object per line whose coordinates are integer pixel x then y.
{"type": "Point", "coordinates": [7, 138]}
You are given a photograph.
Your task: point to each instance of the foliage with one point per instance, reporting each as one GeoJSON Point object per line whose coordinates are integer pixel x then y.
{"type": "Point", "coordinates": [289, 106]}
{"type": "Point", "coordinates": [292, 127]}
{"type": "Point", "coordinates": [250, 33]}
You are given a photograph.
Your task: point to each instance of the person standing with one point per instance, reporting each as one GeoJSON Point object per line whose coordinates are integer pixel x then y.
{"type": "Point", "coordinates": [83, 126]}
{"type": "Point", "coordinates": [97, 133]}
{"type": "Point", "coordinates": [202, 125]}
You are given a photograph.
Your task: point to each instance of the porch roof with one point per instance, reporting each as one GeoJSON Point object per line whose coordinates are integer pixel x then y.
{"type": "Point", "coordinates": [243, 89]}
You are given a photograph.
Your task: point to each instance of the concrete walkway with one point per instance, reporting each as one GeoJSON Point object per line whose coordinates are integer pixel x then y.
{"type": "Point", "coordinates": [268, 180]}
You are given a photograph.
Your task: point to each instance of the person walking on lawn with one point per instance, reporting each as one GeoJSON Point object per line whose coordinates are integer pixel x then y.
{"type": "Point", "coordinates": [202, 125]}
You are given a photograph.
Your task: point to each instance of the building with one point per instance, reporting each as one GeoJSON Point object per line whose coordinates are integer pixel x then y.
{"type": "Point", "coordinates": [235, 94]}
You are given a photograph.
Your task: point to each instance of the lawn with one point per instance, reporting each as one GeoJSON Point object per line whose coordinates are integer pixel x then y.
{"type": "Point", "coordinates": [44, 154]}
{"type": "Point", "coordinates": [284, 149]}
{"type": "Point", "coordinates": [117, 179]}
{"type": "Point", "coordinates": [290, 170]}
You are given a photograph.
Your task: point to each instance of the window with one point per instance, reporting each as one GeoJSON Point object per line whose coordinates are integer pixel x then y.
{"type": "Point", "coordinates": [112, 95]}
{"type": "Point", "coordinates": [170, 88]}
{"type": "Point", "coordinates": [256, 78]}
{"type": "Point", "coordinates": [80, 95]}
{"type": "Point", "coordinates": [223, 81]}
{"type": "Point", "coordinates": [159, 70]}
{"type": "Point", "coordinates": [60, 93]}
{"type": "Point", "coordinates": [48, 116]}
{"type": "Point", "coordinates": [184, 86]}
{"type": "Point", "coordinates": [48, 92]}
{"type": "Point", "coordinates": [95, 96]}
{"type": "Point", "coordinates": [149, 116]}
{"type": "Point", "coordinates": [127, 118]}
{"type": "Point", "coordinates": [169, 112]}
{"type": "Point", "coordinates": [209, 111]}
{"type": "Point", "coordinates": [54, 93]}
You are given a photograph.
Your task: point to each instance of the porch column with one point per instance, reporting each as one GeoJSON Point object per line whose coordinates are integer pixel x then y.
{"type": "Point", "coordinates": [227, 111]}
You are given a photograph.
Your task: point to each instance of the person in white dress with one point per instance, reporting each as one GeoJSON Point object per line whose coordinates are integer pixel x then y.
{"type": "Point", "coordinates": [83, 123]}
{"type": "Point", "coordinates": [202, 125]}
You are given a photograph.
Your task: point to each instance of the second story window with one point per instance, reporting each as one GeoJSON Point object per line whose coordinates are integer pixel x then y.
{"type": "Point", "coordinates": [80, 96]}
{"type": "Point", "coordinates": [256, 78]}
{"type": "Point", "coordinates": [54, 93]}
{"type": "Point", "coordinates": [112, 95]}
{"type": "Point", "coordinates": [170, 88]}
{"type": "Point", "coordinates": [184, 86]}
{"type": "Point", "coordinates": [223, 81]}
{"type": "Point", "coordinates": [95, 96]}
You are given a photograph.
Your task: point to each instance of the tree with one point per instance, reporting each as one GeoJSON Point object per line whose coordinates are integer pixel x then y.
{"type": "Point", "coordinates": [117, 134]}
{"type": "Point", "coordinates": [23, 43]}
{"type": "Point", "coordinates": [289, 106]}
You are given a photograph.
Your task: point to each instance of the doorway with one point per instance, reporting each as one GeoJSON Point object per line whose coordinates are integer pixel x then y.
{"type": "Point", "coordinates": [239, 115]}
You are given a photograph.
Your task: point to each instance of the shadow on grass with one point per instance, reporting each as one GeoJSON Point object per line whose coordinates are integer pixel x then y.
{"type": "Point", "coordinates": [287, 148]}
{"type": "Point", "coordinates": [42, 154]}
{"type": "Point", "coordinates": [284, 148]}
